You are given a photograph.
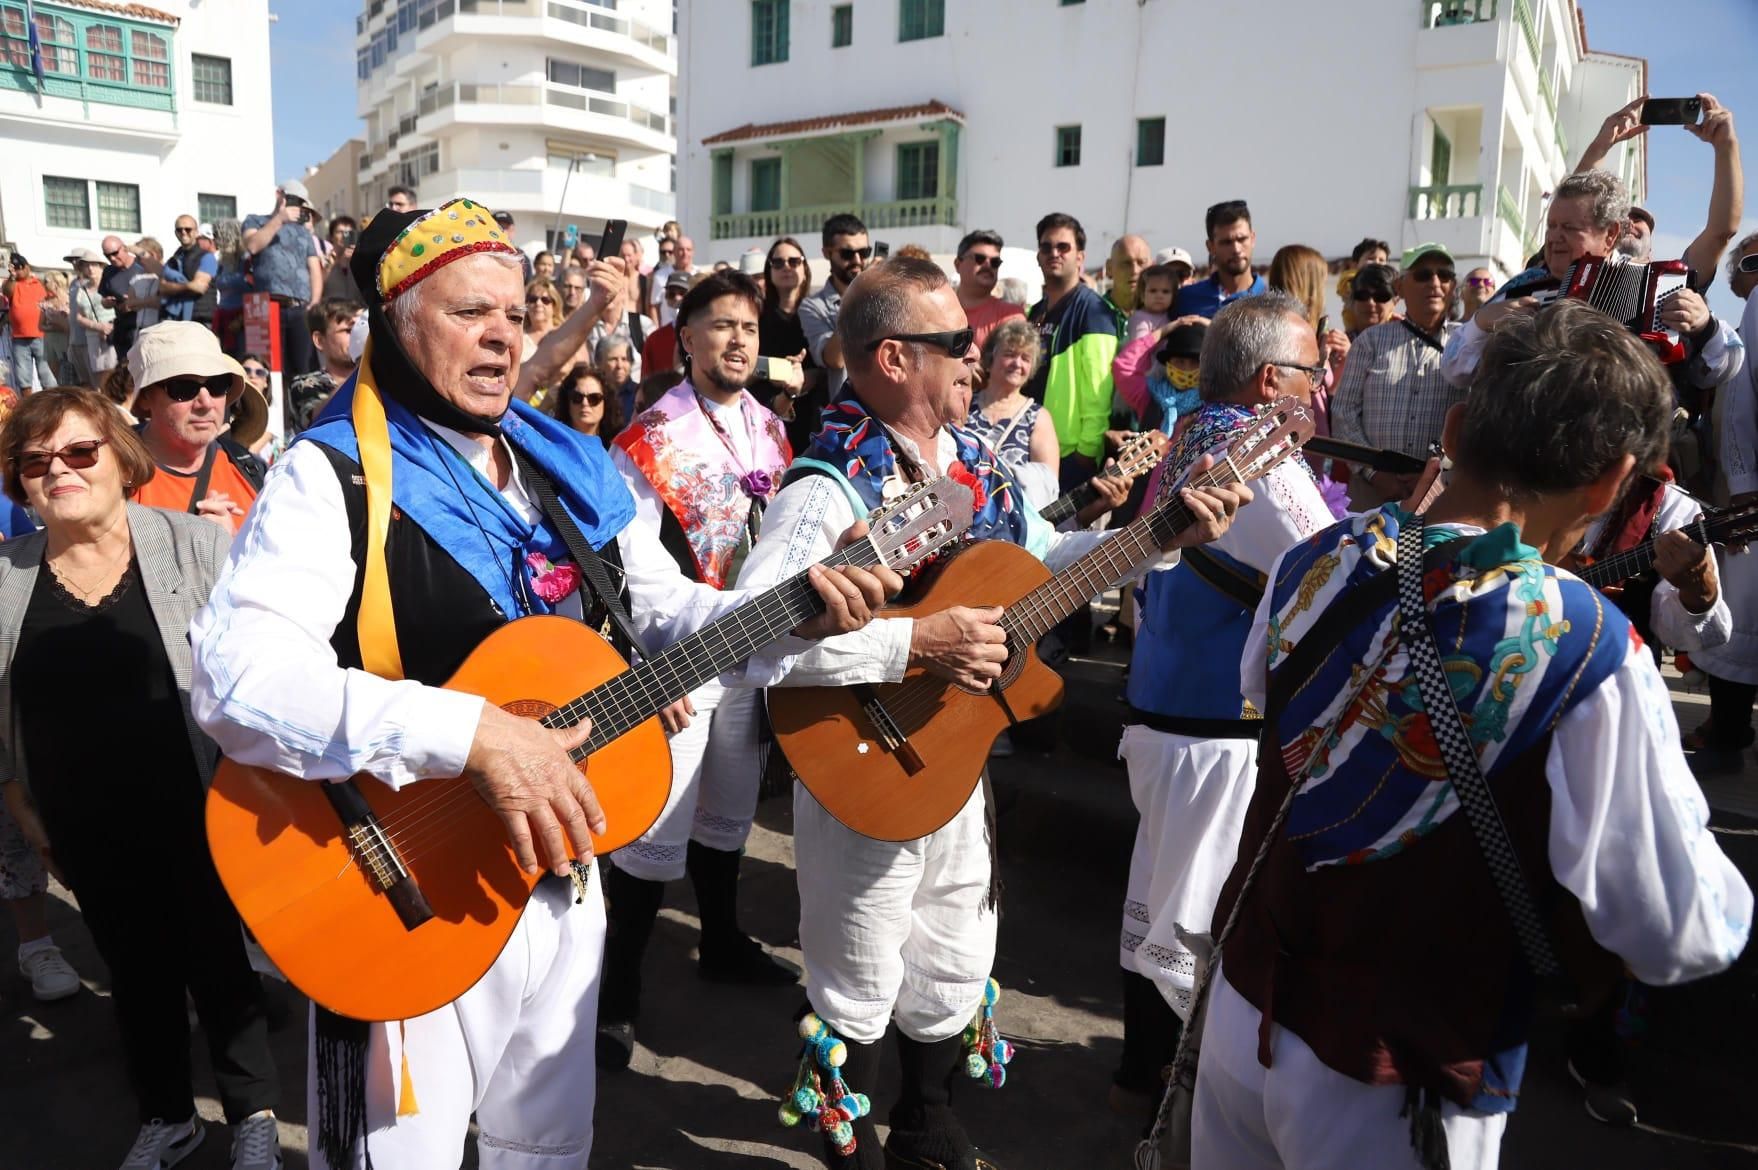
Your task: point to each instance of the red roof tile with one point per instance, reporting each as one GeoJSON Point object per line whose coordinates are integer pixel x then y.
{"type": "Point", "coordinates": [934, 109]}
{"type": "Point", "coordinates": [138, 11]}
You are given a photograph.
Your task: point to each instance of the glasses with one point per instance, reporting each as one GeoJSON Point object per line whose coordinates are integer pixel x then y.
{"type": "Point", "coordinates": [184, 231]}
{"type": "Point", "coordinates": [77, 456]}
{"type": "Point", "coordinates": [1056, 247]}
{"type": "Point", "coordinates": [256, 371]}
{"type": "Point", "coordinates": [982, 260]}
{"type": "Point", "coordinates": [1314, 374]}
{"type": "Point", "coordinates": [574, 288]}
{"type": "Point", "coordinates": [1749, 263]}
{"type": "Point", "coordinates": [1424, 275]}
{"type": "Point", "coordinates": [956, 342]}
{"type": "Point", "coordinates": [780, 262]}
{"type": "Point", "coordinates": [185, 389]}
{"type": "Point", "coordinates": [590, 398]}
{"type": "Point", "coordinates": [1363, 295]}
{"type": "Point", "coordinates": [674, 294]}
{"type": "Point", "coordinates": [665, 251]}
{"type": "Point", "coordinates": [540, 299]}
{"type": "Point", "coordinates": [113, 255]}
{"type": "Point", "coordinates": [1481, 281]}
{"type": "Point", "coordinates": [848, 254]}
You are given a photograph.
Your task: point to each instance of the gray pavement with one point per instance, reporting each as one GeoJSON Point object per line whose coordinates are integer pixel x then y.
{"type": "Point", "coordinates": [703, 1090]}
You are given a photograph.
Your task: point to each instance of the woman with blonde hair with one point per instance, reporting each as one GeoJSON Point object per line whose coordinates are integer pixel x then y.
{"type": "Point", "coordinates": [1302, 273]}
{"type": "Point", "coordinates": [543, 311]}
{"type": "Point", "coordinates": [55, 326]}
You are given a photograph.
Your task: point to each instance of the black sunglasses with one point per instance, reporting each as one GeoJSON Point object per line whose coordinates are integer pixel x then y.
{"type": "Point", "coordinates": [1424, 275]}
{"type": "Point", "coordinates": [985, 261]}
{"type": "Point", "coordinates": [183, 231]}
{"type": "Point", "coordinates": [786, 261]}
{"type": "Point", "coordinates": [1059, 247]}
{"type": "Point", "coordinates": [575, 398]}
{"type": "Point", "coordinates": [1371, 294]}
{"type": "Point", "coordinates": [185, 389]}
{"type": "Point", "coordinates": [1749, 263]}
{"type": "Point", "coordinates": [956, 342]}
{"type": "Point", "coordinates": [849, 254]}
{"type": "Point", "coordinates": [113, 255]}
{"type": "Point", "coordinates": [78, 456]}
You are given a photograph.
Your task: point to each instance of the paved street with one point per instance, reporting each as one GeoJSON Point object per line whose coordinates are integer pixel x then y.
{"type": "Point", "coordinates": [703, 1091]}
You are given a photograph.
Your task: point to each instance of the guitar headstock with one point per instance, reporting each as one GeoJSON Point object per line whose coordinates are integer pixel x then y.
{"type": "Point", "coordinates": [921, 522]}
{"type": "Point", "coordinates": [1736, 527]}
{"type": "Point", "coordinates": [1137, 456]}
{"type": "Point", "coordinates": [1275, 435]}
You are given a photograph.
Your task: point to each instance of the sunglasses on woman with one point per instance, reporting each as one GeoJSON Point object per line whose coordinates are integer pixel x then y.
{"type": "Point", "coordinates": [256, 371]}
{"type": "Point", "coordinates": [1371, 294]}
{"type": "Point", "coordinates": [77, 456]}
{"type": "Point", "coordinates": [780, 262]}
{"type": "Point", "coordinates": [590, 397]}
{"type": "Point", "coordinates": [185, 389]}
{"type": "Point", "coordinates": [540, 299]}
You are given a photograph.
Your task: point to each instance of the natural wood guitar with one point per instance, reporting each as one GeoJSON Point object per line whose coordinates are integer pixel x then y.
{"type": "Point", "coordinates": [383, 904]}
{"type": "Point", "coordinates": [1139, 454]}
{"type": "Point", "coordinates": [897, 761]}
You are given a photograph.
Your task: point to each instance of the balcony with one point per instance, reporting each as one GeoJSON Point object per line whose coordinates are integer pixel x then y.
{"type": "Point", "coordinates": [623, 120]}
{"type": "Point", "coordinates": [591, 16]}
{"type": "Point", "coordinates": [902, 213]}
{"type": "Point", "coordinates": [1528, 30]}
{"type": "Point", "coordinates": [1446, 201]}
{"type": "Point", "coordinates": [1443, 13]}
{"type": "Point", "coordinates": [541, 192]}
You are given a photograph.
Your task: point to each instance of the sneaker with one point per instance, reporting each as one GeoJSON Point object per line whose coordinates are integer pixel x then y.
{"type": "Point", "coordinates": [1607, 1104]}
{"type": "Point", "coordinates": [161, 1145]}
{"type": "Point", "coordinates": [256, 1143]}
{"type": "Point", "coordinates": [51, 976]}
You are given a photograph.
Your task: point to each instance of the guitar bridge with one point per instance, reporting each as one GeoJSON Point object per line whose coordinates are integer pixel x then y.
{"type": "Point", "coordinates": [890, 735]}
{"type": "Point", "coordinates": [376, 854]}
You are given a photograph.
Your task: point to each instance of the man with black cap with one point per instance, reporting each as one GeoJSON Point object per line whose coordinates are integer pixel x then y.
{"type": "Point", "coordinates": [286, 264]}
{"type": "Point", "coordinates": [320, 655]}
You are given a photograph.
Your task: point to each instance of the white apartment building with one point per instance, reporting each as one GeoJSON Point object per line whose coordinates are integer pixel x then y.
{"type": "Point", "coordinates": [558, 111]}
{"type": "Point", "coordinates": [141, 114]}
{"type": "Point", "coordinates": [1407, 120]}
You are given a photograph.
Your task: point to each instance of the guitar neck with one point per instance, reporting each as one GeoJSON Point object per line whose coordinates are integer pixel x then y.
{"type": "Point", "coordinates": [1035, 614]}
{"type": "Point", "coordinates": [1636, 561]}
{"type": "Point", "coordinates": [620, 704]}
{"type": "Point", "coordinates": [1070, 504]}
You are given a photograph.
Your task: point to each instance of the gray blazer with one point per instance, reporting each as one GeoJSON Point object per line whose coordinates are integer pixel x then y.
{"type": "Point", "coordinates": [180, 558]}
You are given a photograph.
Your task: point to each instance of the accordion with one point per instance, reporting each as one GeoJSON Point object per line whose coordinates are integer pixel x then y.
{"type": "Point", "coordinates": [1631, 293]}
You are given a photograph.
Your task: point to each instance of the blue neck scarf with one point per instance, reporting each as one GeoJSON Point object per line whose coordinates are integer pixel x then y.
{"type": "Point", "coordinates": [462, 511]}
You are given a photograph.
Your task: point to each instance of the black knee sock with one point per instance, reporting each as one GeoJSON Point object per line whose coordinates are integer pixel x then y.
{"type": "Point", "coordinates": [634, 907]}
{"type": "Point", "coordinates": [923, 1124]}
{"type": "Point", "coordinates": [1150, 1035]}
{"type": "Point", "coordinates": [860, 1072]}
{"type": "Point", "coordinates": [715, 875]}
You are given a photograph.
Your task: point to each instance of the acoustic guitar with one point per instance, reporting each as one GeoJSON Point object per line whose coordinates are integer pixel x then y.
{"type": "Point", "coordinates": [1737, 526]}
{"type": "Point", "coordinates": [1139, 454]}
{"type": "Point", "coordinates": [896, 761]}
{"type": "Point", "coordinates": [383, 904]}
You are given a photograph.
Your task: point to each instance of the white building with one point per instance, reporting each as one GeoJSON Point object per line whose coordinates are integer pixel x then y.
{"type": "Point", "coordinates": [141, 114]}
{"type": "Point", "coordinates": [1407, 120]}
{"type": "Point", "coordinates": [558, 111]}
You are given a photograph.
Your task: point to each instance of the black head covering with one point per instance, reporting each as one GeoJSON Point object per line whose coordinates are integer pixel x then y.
{"type": "Point", "coordinates": [396, 375]}
{"type": "Point", "coordinates": [1186, 341]}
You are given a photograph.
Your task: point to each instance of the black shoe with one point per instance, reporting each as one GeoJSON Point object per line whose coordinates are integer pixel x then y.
{"type": "Point", "coordinates": [615, 1045]}
{"type": "Point", "coordinates": [742, 960]}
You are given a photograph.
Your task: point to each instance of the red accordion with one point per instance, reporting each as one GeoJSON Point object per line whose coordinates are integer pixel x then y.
{"type": "Point", "coordinates": [1632, 293]}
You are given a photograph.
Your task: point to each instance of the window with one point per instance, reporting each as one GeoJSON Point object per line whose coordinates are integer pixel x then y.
{"type": "Point", "coordinates": [1071, 3]}
{"type": "Point", "coordinates": [362, 64]}
{"type": "Point", "coordinates": [103, 59]}
{"type": "Point", "coordinates": [917, 20]}
{"type": "Point", "coordinates": [1068, 146]}
{"type": "Point", "coordinates": [1440, 168]}
{"type": "Point", "coordinates": [1150, 142]}
{"type": "Point", "coordinates": [765, 184]}
{"type": "Point", "coordinates": [723, 182]}
{"type": "Point", "coordinates": [213, 79]}
{"type": "Point", "coordinates": [118, 207]}
{"type": "Point", "coordinates": [405, 16]}
{"type": "Point", "coordinates": [918, 170]}
{"type": "Point", "coordinates": [152, 63]}
{"type": "Point", "coordinates": [842, 26]}
{"type": "Point", "coordinates": [56, 36]}
{"type": "Point", "coordinates": [768, 31]}
{"type": "Point", "coordinates": [213, 208]}
{"type": "Point", "coordinates": [582, 76]}
{"type": "Point", "coordinates": [66, 203]}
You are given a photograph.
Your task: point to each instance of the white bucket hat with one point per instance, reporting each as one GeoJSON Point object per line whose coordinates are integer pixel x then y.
{"type": "Point", "coordinates": [189, 349]}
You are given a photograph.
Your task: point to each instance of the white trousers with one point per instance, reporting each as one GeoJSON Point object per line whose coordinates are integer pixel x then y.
{"type": "Point", "coordinates": [891, 927]}
{"type": "Point", "coordinates": [1192, 795]}
{"type": "Point", "coordinates": [1300, 1114]}
{"type": "Point", "coordinates": [516, 1050]}
{"type": "Point", "coordinates": [715, 772]}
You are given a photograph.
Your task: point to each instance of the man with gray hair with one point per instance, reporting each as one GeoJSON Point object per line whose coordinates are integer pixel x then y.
{"type": "Point", "coordinates": [1191, 738]}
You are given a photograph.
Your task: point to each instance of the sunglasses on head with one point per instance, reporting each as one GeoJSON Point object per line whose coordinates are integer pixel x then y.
{"type": "Point", "coordinates": [779, 262]}
{"type": "Point", "coordinates": [589, 397]}
{"type": "Point", "coordinates": [848, 254]}
{"type": "Point", "coordinates": [185, 389]}
{"type": "Point", "coordinates": [1371, 294]}
{"type": "Point", "coordinates": [956, 342]}
{"type": "Point", "coordinates": [77, 456]}
{"type": "Point", "coordinates": [983, 260]}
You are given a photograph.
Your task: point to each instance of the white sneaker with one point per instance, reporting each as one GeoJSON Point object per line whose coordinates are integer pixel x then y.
{"type": "Point", "coordinates": [161, 1145]}
{"type": "Point", "coordinates": [51, 976]}
{"type": "Point", "coordinates": [256, 1143]}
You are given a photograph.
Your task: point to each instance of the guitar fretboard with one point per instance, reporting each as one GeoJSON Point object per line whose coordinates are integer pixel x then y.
{"type": "Point", "coordinates": [1035, 614]}
{"type": "Point", "coordinates": [1633, 562]}
{"type": "Point", "coordinates": [622, 703]}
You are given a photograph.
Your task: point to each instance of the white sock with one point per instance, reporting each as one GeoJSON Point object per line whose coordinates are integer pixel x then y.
{"type": "Point", "coordinates": [26, 950]}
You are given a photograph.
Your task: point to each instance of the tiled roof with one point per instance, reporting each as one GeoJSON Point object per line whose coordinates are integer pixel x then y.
{"type": "Point", "coordinates": [138, 11]}
{"type": "Point", "coordinates": [749, 130]}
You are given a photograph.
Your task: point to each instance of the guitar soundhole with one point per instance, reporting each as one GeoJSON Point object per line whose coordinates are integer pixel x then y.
{"type": "Point", "coordinates": [529, 708]}
{"type": "Point", "coordinates": [1010, 671]}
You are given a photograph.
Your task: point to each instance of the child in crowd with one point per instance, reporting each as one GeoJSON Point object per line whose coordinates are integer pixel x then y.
{"type": "Point", "coordinates": [1159, 284]}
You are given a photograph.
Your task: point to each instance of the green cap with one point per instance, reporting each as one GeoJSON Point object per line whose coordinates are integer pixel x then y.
{"type": "Point", "coordinates": [1412, 255]}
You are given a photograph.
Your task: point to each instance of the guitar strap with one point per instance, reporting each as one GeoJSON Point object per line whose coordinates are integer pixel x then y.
{"type": "Point", "coordinates": [591, 564]}
{"type": "Point", "coordinates": [1247, 593]}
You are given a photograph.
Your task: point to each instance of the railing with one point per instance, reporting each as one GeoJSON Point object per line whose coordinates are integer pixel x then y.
{"type": "Point", "coordinates": [435, 100]}
{"type": "Point", "coordinates": [581, 189]}
{"type": "Point", "coordinates": [509, 94]}
{"type": "Point", "coordinates": [593, 17]}
{"type": "Point", "coordinates": [1442, 13]}
{"type": "Point", "coordinates": [1562, 143]}
{"type": "Point", "coordinates": [903, 213]}
{"type": "Point", "coordinates": [1446, 201]}
{"type": "Point", "coordinates": [1523, 18]}
{"type": "Point", "coordinates": [1548, 94]}
{"type": "Point", "coordinates": [592, 103]}
{"type": "Point", "coordinates": [1510, 213]}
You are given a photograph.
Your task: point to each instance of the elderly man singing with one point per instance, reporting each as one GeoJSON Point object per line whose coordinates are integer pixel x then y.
{"type": "Point", "coordinates": [311, 623]}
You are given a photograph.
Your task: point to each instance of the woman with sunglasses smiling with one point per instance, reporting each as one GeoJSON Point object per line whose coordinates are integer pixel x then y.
{"type": "Point", "coordinates": [543, 312]}
{"type": "Point", "coordinates": [583, 404]}
{"type": "Point", "coordinates": [1373, 299]}
{"type": "Point", "coordinates": [798, 398]}
{"type": "Point", "coordinates": [96, 620]}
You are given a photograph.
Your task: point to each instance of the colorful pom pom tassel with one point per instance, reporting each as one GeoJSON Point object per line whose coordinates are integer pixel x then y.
{"type": "Point", "coordinates": [986, 1053]}
{"type": "Point", "coordinates": [820, 1099]}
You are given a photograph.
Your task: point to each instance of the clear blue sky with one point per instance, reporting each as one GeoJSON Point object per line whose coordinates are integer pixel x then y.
{"type": "Point", "coordinates": [1691, 46]}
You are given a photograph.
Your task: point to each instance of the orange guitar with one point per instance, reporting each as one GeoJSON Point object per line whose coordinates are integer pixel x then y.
{"type": "Point", "coordinates": [383, 904]}
{"type": "Point", "coordinates": [897, 761]}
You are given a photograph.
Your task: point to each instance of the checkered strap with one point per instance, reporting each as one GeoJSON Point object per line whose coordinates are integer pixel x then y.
{"type": "Point", "coordinates": [1448, 726]}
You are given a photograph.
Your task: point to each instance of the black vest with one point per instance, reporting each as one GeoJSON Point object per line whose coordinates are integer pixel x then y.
{"type": "Point", "coordinates": [440, 610]}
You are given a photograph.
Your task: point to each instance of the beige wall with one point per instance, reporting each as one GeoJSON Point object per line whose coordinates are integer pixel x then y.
{"type": "Point", "coordinates": [334, 186]}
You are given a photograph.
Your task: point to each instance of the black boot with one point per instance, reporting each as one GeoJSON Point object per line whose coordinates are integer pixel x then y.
{"type": "Point", "coordinates": [728, 954]}
{"type": "Point", "coordinates": [1150, 1040]}
{"type": "Point", "coordinates": [860, 1072]}
{"type": "Point", "coordinates": [634, 907]}
{"type": "Point", "coordinates": [925, 1132]}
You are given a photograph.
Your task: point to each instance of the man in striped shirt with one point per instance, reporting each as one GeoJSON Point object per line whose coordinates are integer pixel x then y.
{"type": "Point", "coordinates": [1393, 394]}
